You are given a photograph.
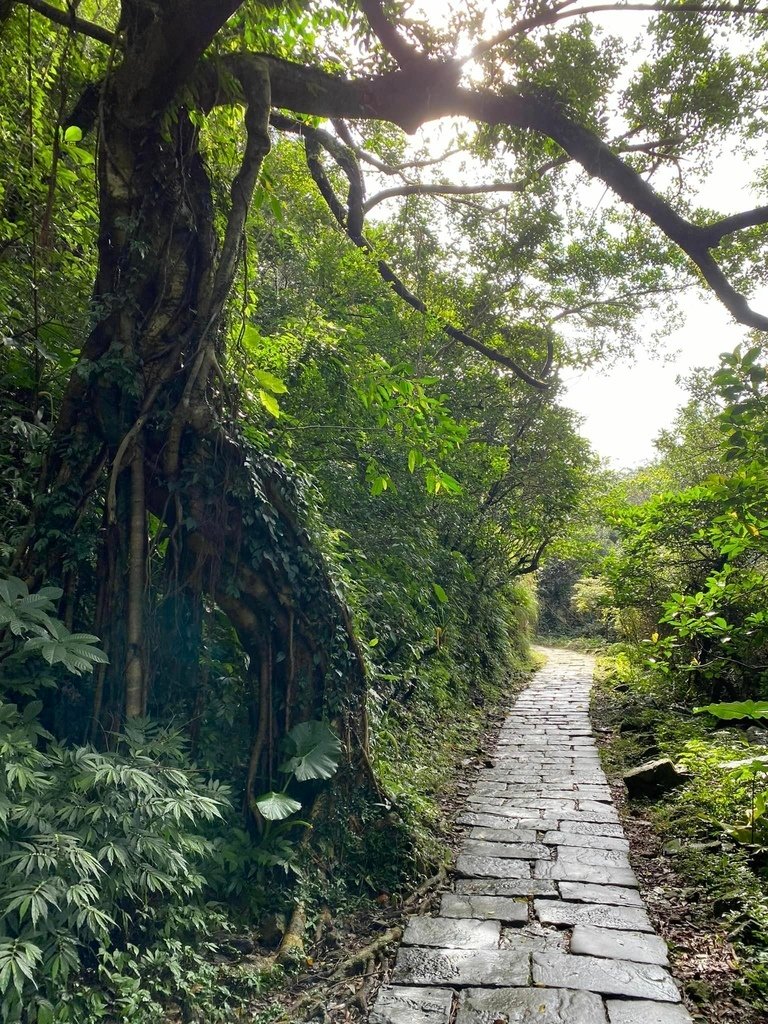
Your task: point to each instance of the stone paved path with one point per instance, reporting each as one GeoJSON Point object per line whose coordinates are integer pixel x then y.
{"type": "Point", "coordinates": [545, 923]}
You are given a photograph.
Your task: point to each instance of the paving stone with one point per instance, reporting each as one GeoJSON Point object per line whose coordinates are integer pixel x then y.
{"type": "Point", "coordinates": [586, 892]}
{"type": "Point", "coordinates": [511, 850]}
{"type": "Point", "coordinates": [603, 857]}
{"type": "Point", "coordinates": [461, 967]}
{"type": "Point", "coordinates": [493, 867]}
{"type": "Point", "coordinates": [449, 933]}
{"type": "Point", "coordinates": [504, 809]}
{"type": "Point", "coordinates": [637, 1011]}
{"type": "Point", "coordinates": [534, 938]}
{"type": "Point", "coordinates": [486, 789]}
{"type": "Point", "coordinates": [529, 1006]}
{"type": "Point", "coordinates": [607, 813]}
{"type": "Point", "coordinates": [572, 871]}
{"type": "Point", "coordinates": [510, 776]}
{"type": "Point", "coordinates": [609, 977]}
{"type": "Point", "coordinates": [563, 913]}
{"type": "Point", "coordinates": [502, 821]}
{"type": "Point", "coordinates": [397, 1004]}
{"type": "Point", "coordinates": [550, 807]}
{"type": "Point", "coordinates": [594, 792]}
{"type": "Point", "coordinates": [639, 947]}
{"type": "Point", "coordinates": [558, 838]}
{"type": "Point", "coordinates": [593, 828]}
{"type": "Point", "coordinates": [512, 834]}
{"type": "Point", "coordinates": [495, 908]}
{"type": "Point", "coordinates": [506, 886]}
{"type": "Point", "coordinates": [591, 778]}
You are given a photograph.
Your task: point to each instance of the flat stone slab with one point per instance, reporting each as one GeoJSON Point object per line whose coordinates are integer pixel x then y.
{"type": "Point", "coordinates": [506, 886]}
{"type": "Point", "coordinates": [533, 938]}
{"type": "Point", "coordinates": [483, 818]}
{"type": "Point", "coordinates": [397, 1004]}
{"type": "Point", "coordinates": [503, 835]}
{"type": "Point", "coordinates": [639, 947]}
{"type": "Point", "coordinates": [461, 967]}
{"type": "Point", "coordinates": [494, 867]}
{"type": "Point", "coordinates": [609, 977]}
{"type": "Point", "coordinates": [635, 1011]}
{"type": "Point", "coordinates": [587, 892]}
{"type": "Point", "coordinates": [494, 908]}
{"type": "Point", "coordinates": [529, 1006]}
{"type": "Point", "coordinates": [563, 914]}
{"type": "Point", "coordinates": [601, 813]}
{"type": "Point", "coordinates": [593, 828]}
{"type": "Point", "coordinates": [514, 851]}
{"type": "Point", "coordinates": [551, 807]}
{"type": "Point", "coordinates": [558, 838]}
{"type": "Point", "coordinates": [610, 858]}
{"type": "Point", "coordinates": [572, 871]}
{"type": "Point", "coordinates": [452, 934]}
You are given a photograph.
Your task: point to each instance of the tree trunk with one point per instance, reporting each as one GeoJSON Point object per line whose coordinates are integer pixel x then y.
{"type": "Point", "coordinates": [145, 391]}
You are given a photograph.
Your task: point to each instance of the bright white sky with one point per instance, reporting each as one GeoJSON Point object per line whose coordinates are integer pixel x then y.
{"type": "Point", "coordinates": [625, 408]}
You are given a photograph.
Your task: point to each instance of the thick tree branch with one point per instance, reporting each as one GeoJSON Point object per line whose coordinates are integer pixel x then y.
{"type": "Point", "coordinates": [404, 53]}
{"type": "Point", "coordinates": [71, 21]}
{"type": "Point", "coordinates": [425, 91]}
{"type": "Point", "coordinates": [713, 234]}
{"type": "Point", "coordinates": [394, 97]}
{"type": "Point", "coordinates": [163, 47]}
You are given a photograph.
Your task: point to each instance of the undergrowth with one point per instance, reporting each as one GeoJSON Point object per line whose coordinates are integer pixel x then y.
{"type": "Point", "coordinates": [647, 722]}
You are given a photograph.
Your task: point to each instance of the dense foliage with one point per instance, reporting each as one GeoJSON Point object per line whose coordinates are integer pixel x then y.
{"type": "Point", "coordinates": [282, 440]}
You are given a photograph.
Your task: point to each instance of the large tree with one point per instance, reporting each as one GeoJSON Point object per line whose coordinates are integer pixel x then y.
{"type": "Point", "coordinates": [144, 431]}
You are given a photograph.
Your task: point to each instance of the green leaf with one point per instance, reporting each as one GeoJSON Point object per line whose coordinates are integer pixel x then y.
{"type": "Point", "coordinates": [270, 382]}
{"type": "Point", "coordinates": [276, 806]}
{"type": "Point", "coordinates": [317, 751]}
{"type": "Point", "coordinates": [440, 594]}
{"type": "Point", "coordinates": [252, 339]}
{"type": "Point", "coordinates": [736, 709]}
{"type": "Point", "coordinates": [269, 402]}
{"type": "Point", "coordinates": [73, 134]}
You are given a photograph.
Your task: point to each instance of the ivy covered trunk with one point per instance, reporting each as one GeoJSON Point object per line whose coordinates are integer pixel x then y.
{"type": "Point", "coordinates": [192, 517]}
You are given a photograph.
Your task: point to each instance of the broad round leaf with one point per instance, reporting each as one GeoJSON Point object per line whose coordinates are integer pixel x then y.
{"type": "Point", "coordinates": [276, 806]}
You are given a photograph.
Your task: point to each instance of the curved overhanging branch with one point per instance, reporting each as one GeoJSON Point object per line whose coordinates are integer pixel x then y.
{"type": "Point", "coordinates": [426, 89]}
{"type": "Point", "coordinates": [417, 188]}
{"type": "Point", "coordinates": [351, 218]}
{"type": "Point", "coordinates": [561, 11]}
{"type": "Point", "coordinates": [401, 98]}
{"type": "Point", "coordinates": [444, 189]}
